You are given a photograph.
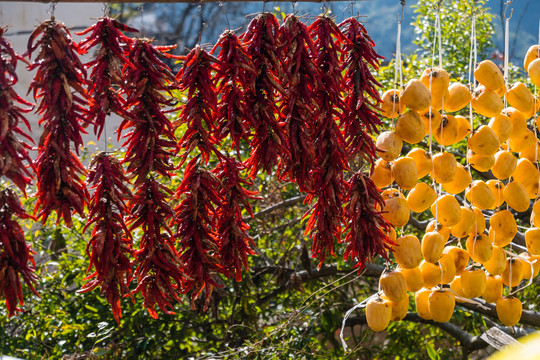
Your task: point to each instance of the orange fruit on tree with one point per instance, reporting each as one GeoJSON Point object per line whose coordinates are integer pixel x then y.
{"type": "Point", "coordinates": [447, 132]}
{"type": "Point", "coordinates": [497, 263]}
{"type": "Point", "coordinates": [518, 119]}
{"type": "Point", "coordinates": [432, 246]}
{"type": "Point", "coordinates": [464, 127]}
{"type": "Point", "coordinates": [399, 309]}
{"type": "Point", "coordinates": [388, 145]}
{"type": "Point", "coordinates": [459, 256]}
{"type": "Point", "coordinates": [378, 313]}
{"type": "Point", "coordinates": [486, 102]}
{"type": "Point", "coordinates": [396, 211]}
{"type": "Point", "coordinates": [404, 172]}
{"type": "Point", "coordinates": [421, 197]}
{"type": "Point", "coordinates": [535, 214]}
{"type": "Point", "coordinates": [393, 285]}
{"type": "Point", "coordinates": [522, 141]}
{"type": "Point", "coordinates": [431, 273]}
{"type": "Point", "coordinates": [480, 162]}
{"type": "Point", "coordinates": [497, 188]}
{"type": "Point", "coordinates": [505, 164]}
{"type": "Point", "coordinates": [494, 288]}
{"type": "Point", "coordinates": [436, 80]}
{"type": "Point", "coordinates": [502, 126]}
{"type": "Point", "coordinates": [530, 56]}
{"type": "Point", "coordinates": [473, 283]}
{"type": "Point", "coordinates": [444, 167]}
{"type": "Point", "coordinates": [535, 260]}
{"type": "Point", "coordinates": [466, 224]}
{"type": "Point", "coordinates": [407, 251]}
{"type": "Point", "coordinates": [434, 225]}
{"type": "Point", "coordinates": [509, 310]}
{"type": "Point", "coordinates": [479, 247]}
{"type": "Point", "coordinates": [534, 72]}
{"type": "Point", "coordinates": [480, 195]}
{"type": "Point", "coordinates": [432, 120]}
{"type": "Point", "coordinates": [520, 97]}
{"type": "Point", "coordinates": [461, 181]}
{"type": "Point", "coordinates": [516, 196]}
{"type": "Point", "coordinates": [532, 153]}
{"type": "Point", "coordinates": [458, 97]}
{"type": "Point", "coordinates": [390, 106]}
{"type": "Point", "coordinates": [413, 278]}
{"type": "Point", "coordinates": [488, 74]}
{"type": "Point", "coordinates": [455, 285]}
{"type": "Point", "coordinates": [527, 174]}
{"type": "Point", "coordinates": [513, 273]}
{"type": "Point", "coordinates": [484, 141]}
{"type": "Point", "coordinates": [446, 210]}
{"type": "Point", "coordinates": [415, 95]}
{"type": "Point", "coordinates": [441, 304]}
{"type": "Point", "coordinates": [421, 300]}
{"type": "Point", "coordinates": [423, 161]}
{"type": "Point", "coordinates": [480, 225]}
{"type": "Point", "coordinates": [448, 268]}
{"type": "Point", "coordinates": [532, 240]}
{"type": "Point", "coordinates": [382, 173]}
{"type": "Point", "coordinates": [503, 227]}
{"type": "Point", "coordinates": [410, 127]}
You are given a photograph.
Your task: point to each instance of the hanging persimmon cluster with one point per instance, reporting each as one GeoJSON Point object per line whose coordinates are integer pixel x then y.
{"type": "Point", "coordinates": [302, 100]}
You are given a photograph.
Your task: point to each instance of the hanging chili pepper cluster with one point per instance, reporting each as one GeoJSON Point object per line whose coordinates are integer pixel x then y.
{"type": "Point", "coordinates": [15, 254]}
{"type": "Point", "coordinates": [301, 98]}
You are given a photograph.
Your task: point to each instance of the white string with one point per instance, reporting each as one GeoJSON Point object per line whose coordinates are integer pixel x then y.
{"type": "Point", "coordinates": [347, 314]}
{"type": "Point", "coordinates": [506, 52]}
{"type": "Point", "coordinates": [510, 275]}
{"type": "Point", "coordinates": [472, 84]}
{"type": "Point", "coordinates": [467, 300]}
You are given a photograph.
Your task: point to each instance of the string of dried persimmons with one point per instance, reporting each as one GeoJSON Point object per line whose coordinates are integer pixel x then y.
{"type": "Point", "coordinates": [301, 97]}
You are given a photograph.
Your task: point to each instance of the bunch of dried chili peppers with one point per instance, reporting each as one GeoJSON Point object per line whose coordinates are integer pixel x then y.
{"type": "Point", "coordinates": [299, 99]}
{"type": "Point", "coordinates": [16, 259]}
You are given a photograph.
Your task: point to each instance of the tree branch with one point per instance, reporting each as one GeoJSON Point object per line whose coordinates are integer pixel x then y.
{"type": "Point", "coordinates": [466, 340]}
{"type": "Point", "coordinates": [289, 202]}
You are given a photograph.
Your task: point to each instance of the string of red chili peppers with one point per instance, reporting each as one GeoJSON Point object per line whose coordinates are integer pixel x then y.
{"type": "Point", "coordinates": [151, 145]}
{"type": "Point", "coordinates": [110, 246]}
{"type": "Point", "coordinates": [59, 84]}
{"type": "Point", "coordinates": [16, 259]}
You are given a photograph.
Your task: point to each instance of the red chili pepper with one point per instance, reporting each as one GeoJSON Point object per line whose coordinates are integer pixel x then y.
{"type": "Point", "coordinates": [151, 143]}
{"type": "Point", "coordinates": [59, 83]}
{"type": "Point", "coordinates": [331, 158]}
{"type": "Point", "coordinates": [269, 139]}
{"type": "Point", "coordinates": [365, 228]}
{"type": "Point", "coordinates": [158, 262]}
{"type": "Point", "coordinates": [236, 244]}
{"type": "Point", "coordinates": [361, 117]}
{"type": "Point", "coordinates": [15, 253]}
{"type": "Point", "coordinates": [109, 247]}
{"type": "Point", "coordinates": [15, 162]}
{"type": "Point", "coordinates": [235, 76]}
{"type": "Point", "coordinates": [199, 112]}
{"type": "Point", "coordinates": [299, 107]}
{"type": "Point", "coordinates": [113, 47]}
{"type": "Point", "coordinates": [195, 221]}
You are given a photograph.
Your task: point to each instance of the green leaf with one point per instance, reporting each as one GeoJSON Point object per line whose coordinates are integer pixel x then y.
{"type": "Point", "coordinates": [432, 353]}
